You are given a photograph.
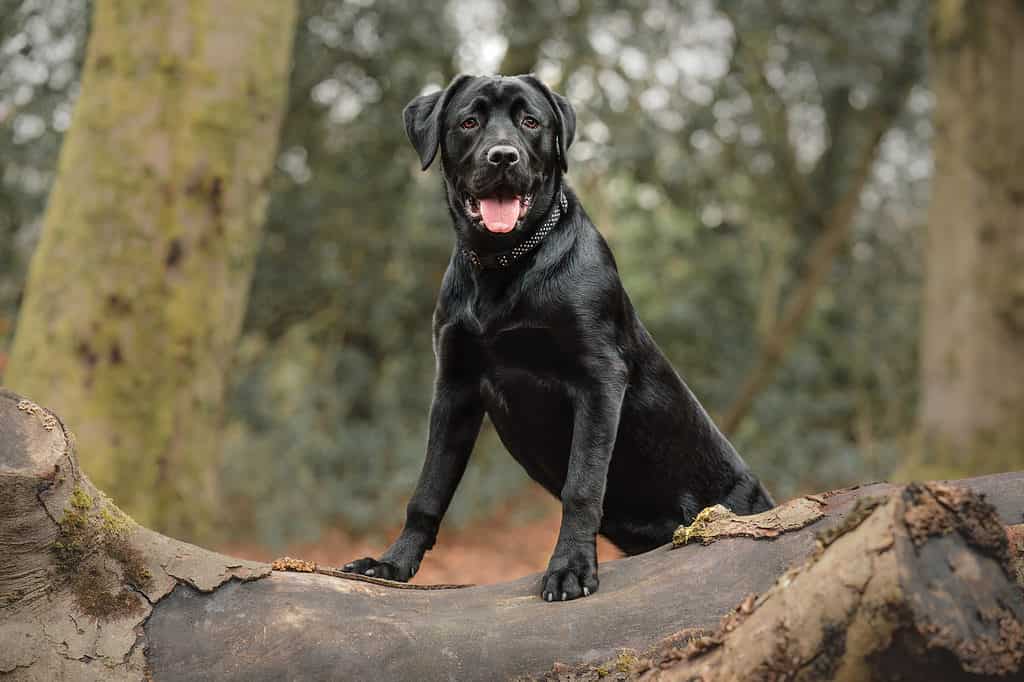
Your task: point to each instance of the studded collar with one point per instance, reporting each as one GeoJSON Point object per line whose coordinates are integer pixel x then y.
{"type": "Point", "coordinates": [500, 261]}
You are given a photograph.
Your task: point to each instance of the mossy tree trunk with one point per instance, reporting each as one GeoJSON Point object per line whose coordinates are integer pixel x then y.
{"type": "Point", "coordinates": [972, 410]}
{"type": "Point", "coordinates": [137, 290]}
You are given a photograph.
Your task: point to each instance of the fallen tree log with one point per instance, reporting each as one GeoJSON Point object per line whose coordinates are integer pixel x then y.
{"type": "Point", "coordinates": [919, 585]}
{"type": "Point", "coordinates": [87, 594]}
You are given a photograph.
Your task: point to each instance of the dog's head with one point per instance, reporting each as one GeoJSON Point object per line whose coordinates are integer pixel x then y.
{"type": "Point", "coordinates": [503, 143]}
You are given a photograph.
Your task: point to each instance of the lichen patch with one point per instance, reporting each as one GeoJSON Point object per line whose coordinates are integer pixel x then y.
{"type": "Point", "coordinates": [287, 563]}
{"type": "Point", "coordinates": [48, 421]}
{"type": "Point", "coordinates": [714, 523]}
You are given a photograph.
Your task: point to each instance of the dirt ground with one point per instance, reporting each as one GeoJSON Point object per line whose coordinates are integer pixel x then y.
{"type": "Point", "coordinates": [503, 547]}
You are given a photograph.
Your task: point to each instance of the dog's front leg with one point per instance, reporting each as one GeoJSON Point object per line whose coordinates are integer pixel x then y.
{"type": "Point", "coordinates": [572, 571]}
{"type": "Point", "coordinates": [455, 417]}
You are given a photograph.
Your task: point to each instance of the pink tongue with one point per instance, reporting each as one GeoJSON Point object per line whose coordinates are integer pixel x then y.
{"type": "Point", "coordinates": [500, 215]}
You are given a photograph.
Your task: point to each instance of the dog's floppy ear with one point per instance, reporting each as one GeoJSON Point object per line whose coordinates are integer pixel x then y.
{"type": "Point", "coordinates": [423, 118]}
{"type": "Point", "coordinates": [565, 114]}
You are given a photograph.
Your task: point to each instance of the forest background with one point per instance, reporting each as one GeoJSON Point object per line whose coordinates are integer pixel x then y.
{"type": "Point", "coordinates": [815, 207]}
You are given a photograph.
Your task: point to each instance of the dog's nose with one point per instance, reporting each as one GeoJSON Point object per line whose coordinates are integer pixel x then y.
{"type": "Point", "coordinates": [503, 155]}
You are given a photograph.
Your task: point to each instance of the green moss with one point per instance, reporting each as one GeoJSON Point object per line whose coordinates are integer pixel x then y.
{"type": "Point", "coordinates": [81, 500]}
{"type": "Point", "coordinates": [116, 526]}
{"type": "Point", "coordinates": [94, 554]}
{"type": "Point", "coordinates": [622, 664]}
{"type": "Point", "coordinates": [74, 538]}
{"type": "Point", "coordinates": [625, 661]}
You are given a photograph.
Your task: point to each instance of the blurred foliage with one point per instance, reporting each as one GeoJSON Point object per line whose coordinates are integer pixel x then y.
{"type": "Point", "coordinates": [714, 138]}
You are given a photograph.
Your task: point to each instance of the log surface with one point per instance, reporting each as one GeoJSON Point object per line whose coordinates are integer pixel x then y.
{"type": "Point", "coordinates": [200, 614]}
{"type": "Point", "coordinates": [341, 629]}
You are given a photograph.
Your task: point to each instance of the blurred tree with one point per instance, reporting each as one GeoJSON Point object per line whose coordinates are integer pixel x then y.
{"type": "Point", "coordinates": [335, 367]}
{"type": "Point", "coordinates": [972, 409]}
{"type": "Point", "coordinates": [138, 286]}
{"type": "Point", "coordinates": [41, 48]}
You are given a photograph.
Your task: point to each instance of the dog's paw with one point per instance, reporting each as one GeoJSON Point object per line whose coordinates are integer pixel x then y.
{"type": "Point", "coordinates": [570, 577]}
{"type": "Point", "coordinates": [377, 569]}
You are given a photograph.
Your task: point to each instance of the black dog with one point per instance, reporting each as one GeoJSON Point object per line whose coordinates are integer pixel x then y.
{"type": "Point", "coordinates": [533, 327]}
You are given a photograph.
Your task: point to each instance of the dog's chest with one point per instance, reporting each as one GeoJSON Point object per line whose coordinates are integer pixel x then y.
{"type": "Point", "coordinates": [518, 354]}
{"type": "Point", "coordinates": [522, 366]}
{"type": "Point", "coordinates": [524, 390]}
{"type": "Point", "coordinates": [522, 372]}
{"type": "Point", "coordinates": [533, 350]}
{"type": "Point", "coordinates": [518, 372]}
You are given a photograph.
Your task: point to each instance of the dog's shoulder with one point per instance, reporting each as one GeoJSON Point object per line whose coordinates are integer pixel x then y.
{"type": "Point", "coordinates": [455, 290]}
{"type": "Point", "coordinates": [590, 265]}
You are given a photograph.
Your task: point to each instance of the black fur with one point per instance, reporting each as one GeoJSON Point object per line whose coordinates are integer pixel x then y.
{"type": "Point", "coordinates": [552, 350]}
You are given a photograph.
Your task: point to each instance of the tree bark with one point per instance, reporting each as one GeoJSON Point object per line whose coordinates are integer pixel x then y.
{"type": "Point", "coordinates": [85, 593]}
{"type": "Point", "coordinates": [138, 287]}
{"type": "Point", "coordinates": [918, 586]}
{"type": "Point", "coordinates": [972, 369]}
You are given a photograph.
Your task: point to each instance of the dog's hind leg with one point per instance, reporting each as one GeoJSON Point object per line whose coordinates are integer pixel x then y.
{"type": "Point", "coordinates": [748, 496]}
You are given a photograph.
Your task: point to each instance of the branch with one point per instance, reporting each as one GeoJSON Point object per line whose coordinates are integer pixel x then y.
{"type": "Point", "coordinates": [819, 264]}
{"type": "Point", "coordinates": [773, 111]}
{"type": "Point", "coordinates": [836, 230]}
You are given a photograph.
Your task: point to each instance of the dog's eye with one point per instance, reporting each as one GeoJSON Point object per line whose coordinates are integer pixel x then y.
{"type": "Point", "coordinates": [530, 122]}
{"type": "Point", "coordinates": [469, 124]}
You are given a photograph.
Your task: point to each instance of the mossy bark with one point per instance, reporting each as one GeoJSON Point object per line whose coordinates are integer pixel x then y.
{"type": "Point", "coordinates": [972, 409]}
{"type": "Point", "coordinates": [78, 578]}
{"type": "Point", "coordinates": [137, 290]}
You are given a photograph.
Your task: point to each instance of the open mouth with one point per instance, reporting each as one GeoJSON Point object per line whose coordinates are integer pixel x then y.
{"type": "Point", "coordinates": [499, 215]}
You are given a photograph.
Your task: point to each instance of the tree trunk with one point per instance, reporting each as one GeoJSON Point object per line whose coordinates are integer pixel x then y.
{"type": "Point", "coordinates": [138, 287]}
{"type": "Point", "coordinates": [87, 594]}
{"type": "Point", "coordinates": [524, 41]}
{"type": "Point", "coordinates": [973, 334]}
